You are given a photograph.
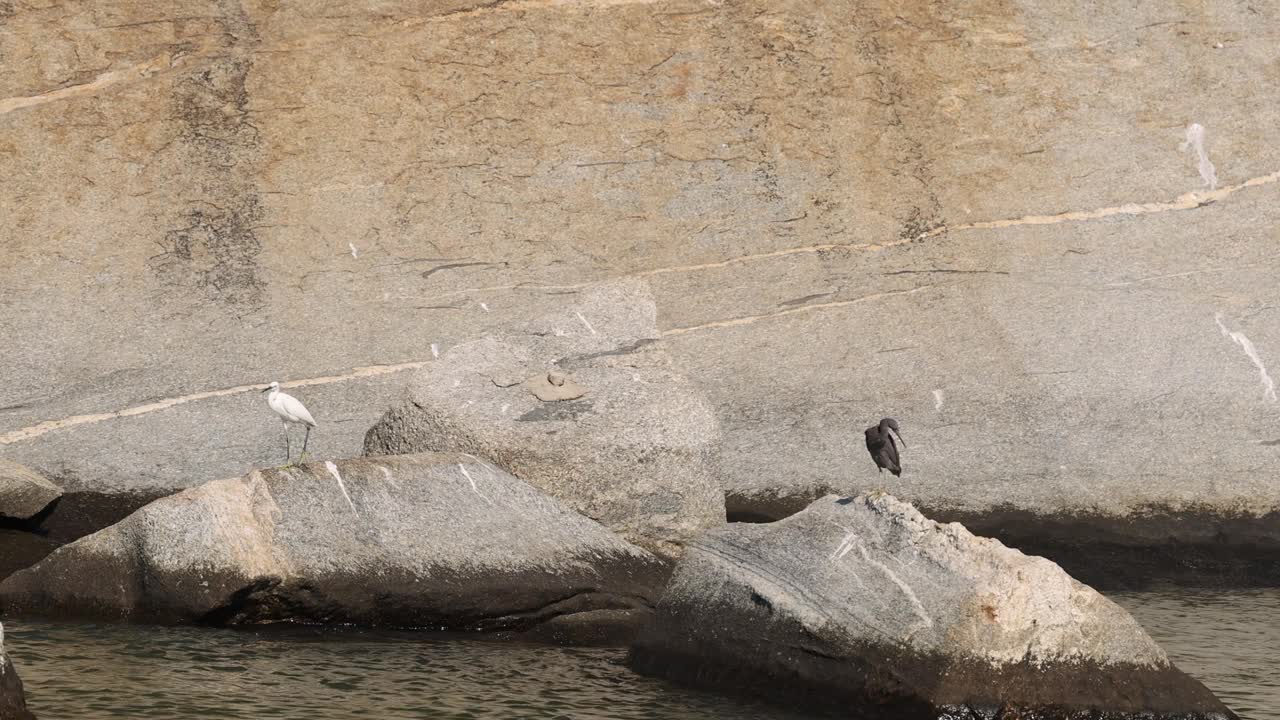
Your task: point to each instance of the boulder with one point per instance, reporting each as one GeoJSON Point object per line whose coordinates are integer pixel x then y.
{"type": "Point", "coordinates": [23, 491]}
{"type": "Point", "coordinates": [13, 702]}
{"type": "Point", "coordinates": [864, 602]}
{"type": "Point", "coordinates": [583, 404]}
{"type": "Point", "coordinates": [437, 541]}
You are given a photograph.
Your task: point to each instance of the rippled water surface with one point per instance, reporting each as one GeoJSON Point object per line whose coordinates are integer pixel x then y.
{"type": "Point", "coordinates": [86, 672]}
{"type": "Point", "coordinates": [1227, 639]}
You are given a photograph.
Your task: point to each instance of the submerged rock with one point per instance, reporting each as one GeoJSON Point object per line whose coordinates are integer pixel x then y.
{"type": "Point", "coordinates": [438, 541]}
{"type": "Point", "coordinates": [13, 701]}
{"type": "Point", "coordinates": [866, 603]}
{"type": "Point", "coordinates": [584, 405]}
{"type": "Point", "coordinates": [23, 491]}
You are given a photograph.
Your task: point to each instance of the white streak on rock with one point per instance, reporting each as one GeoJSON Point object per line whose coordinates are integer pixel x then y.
{"type": "Point", "coordinates": [435, 350]}
{"type": "Point", "coordinates": [158, 64]}
{"type": "Point", "coordinates": [844, 547]}
{"type": "Point", "coordinates": [354, 252]}
{"type": "Point", "coordinates": [1268, 385]}
{"type": "Point", "coordinates": [916, 605]}
{"type": "Point", "coordinates": [484, 306]}
{"type": "Point", "coordinates": [584, 322]}
{"type": "Point", "coordinates": [471, 480]}
{"type": "Point", "coordinates": [1195, 141]}
{"type": "Point", "coordinates": [937, 399]}
{"type": "Point", "coordinates": [333, 470]}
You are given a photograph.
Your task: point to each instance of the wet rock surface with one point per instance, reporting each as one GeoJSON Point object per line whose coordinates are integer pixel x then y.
{"type": "Point", "coordinates": [863, 602]}
{"type": "Point", "coordinates": [608, 425]}
{"type": "Point", "coordinates": [431, 541]}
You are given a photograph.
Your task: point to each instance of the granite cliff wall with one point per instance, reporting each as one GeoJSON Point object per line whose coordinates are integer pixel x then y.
{"type": "Point", "coordinates": [976, 218]}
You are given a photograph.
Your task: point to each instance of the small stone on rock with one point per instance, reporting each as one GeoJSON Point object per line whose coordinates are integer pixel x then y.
{"type": "Point", "coordinates": [554, 386]}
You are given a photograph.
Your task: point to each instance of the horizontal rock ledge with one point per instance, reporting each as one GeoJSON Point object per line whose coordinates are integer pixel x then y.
{"type": "Point", "coordinates": [435, 541]}
{"type": "Point", "coordinates": [866, 605]}
{"type": "Point", "coordinates": [1195, 546]}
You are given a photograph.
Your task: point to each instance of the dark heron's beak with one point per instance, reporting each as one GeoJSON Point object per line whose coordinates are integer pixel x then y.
{"type": "Point", "coordinates": [892, 427]}
{"type": "Point", "coordinates": [265, 389]}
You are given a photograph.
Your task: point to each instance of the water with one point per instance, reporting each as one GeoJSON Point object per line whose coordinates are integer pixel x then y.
{"type": "Point", "coordinates": [91, 672]}
{"type": "Point", "coordinates": [1227, 639]}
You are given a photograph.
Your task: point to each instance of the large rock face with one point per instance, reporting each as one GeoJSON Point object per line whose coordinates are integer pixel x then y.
{"type": "Point", "coordinates": [414, 541]}
{"type": "Point", "coordinates": [582, 406]}
{"type": "Point", "coordinates": [13, 702]}
{"type": "Point", "coordinates": [863, 601]}
{"type": "Point", "coordinates": [976, 219]}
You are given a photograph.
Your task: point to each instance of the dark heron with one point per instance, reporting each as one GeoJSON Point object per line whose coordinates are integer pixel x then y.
{"type": "Point", "coordinates": [884, 447]}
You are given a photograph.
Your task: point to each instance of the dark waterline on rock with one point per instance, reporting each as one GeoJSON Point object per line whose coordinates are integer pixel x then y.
{"type": "Point", "coordinates": [93, 672]}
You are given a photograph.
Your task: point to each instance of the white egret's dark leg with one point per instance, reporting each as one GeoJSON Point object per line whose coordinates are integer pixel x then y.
{"type": "Point", "coordinates": [288, 452]}
{"type": "Point", "coordinates": [304, 444]}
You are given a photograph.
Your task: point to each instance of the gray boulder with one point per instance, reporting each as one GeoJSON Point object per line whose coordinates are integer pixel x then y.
{"type": "Point", "coordinates": [583, 404]}
{"type": "Point", "coordinates": [13, 701]}
{"type": "Point", "coordinates": [866, 602]}
{"type": "Point", "coordinates": [438, 541]}
{"type": "Point", "coordinates": [24, 492]}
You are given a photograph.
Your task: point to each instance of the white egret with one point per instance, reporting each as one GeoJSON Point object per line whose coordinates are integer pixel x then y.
{"type": "Point", "coordinates": [290, 410]}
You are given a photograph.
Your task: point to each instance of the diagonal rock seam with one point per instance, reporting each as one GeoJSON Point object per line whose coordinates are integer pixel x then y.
{"type": "Point", "coordinates": [166, 62]}
{"type": "Point", "coordinates": [39, 429]}
{"type": "Point", "coordinates": [142, 70]}
{"type": "Point", "coordinates": [1187, 201]}
{"type": "Point", "coordinates": [748, 319]}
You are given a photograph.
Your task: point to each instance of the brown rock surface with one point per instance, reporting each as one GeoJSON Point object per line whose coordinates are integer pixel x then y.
{"type": "Point", "coordinates": [973, 219]}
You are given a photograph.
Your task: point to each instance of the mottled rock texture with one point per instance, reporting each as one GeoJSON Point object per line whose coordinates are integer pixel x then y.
{"type": "Point", "coordinates": [437, 541]}
{"type": "Point", "coordinates": [24, 492]}
{"type": "Point", "coordinates": [974, 218]}
{"type": "Point", "coordinates": [633, 446]}
{"type": "Point", "coordinates": [863, 601]}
